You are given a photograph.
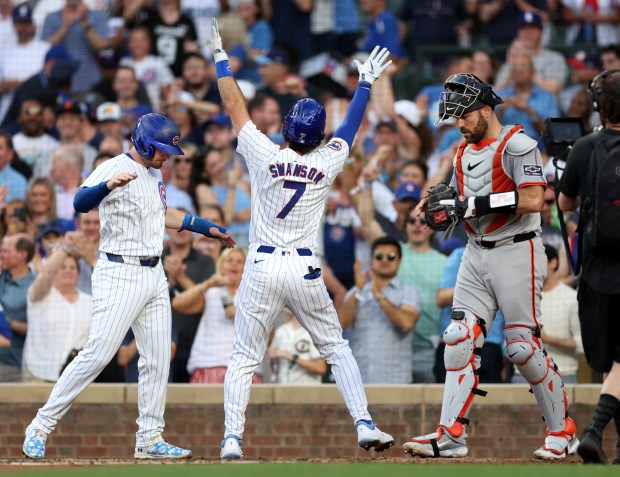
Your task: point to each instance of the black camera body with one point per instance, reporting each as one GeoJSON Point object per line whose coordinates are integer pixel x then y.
{"type": "Point", "coordinates": [561, 133]}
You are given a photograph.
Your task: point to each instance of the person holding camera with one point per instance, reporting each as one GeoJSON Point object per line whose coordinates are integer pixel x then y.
{"type": "Point", "coordinates": [591, 181]}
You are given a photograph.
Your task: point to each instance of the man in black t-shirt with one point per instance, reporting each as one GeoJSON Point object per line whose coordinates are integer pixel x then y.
{"type": "Point", "coordinates": [174, 33]}
{"type": "Point", "coordinates": [599, 285]}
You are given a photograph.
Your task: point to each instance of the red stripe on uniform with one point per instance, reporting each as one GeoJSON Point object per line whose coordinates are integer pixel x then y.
{"type": "Point", "coordinates": [533, 284]}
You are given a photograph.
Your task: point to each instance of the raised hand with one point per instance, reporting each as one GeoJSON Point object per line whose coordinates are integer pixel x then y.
{"type": "Point", "coordinates": [121, 179]}
{"type": "Point", "coordinates": [215, 43]}
{"type": "Point", "coordinates": [373, 67]}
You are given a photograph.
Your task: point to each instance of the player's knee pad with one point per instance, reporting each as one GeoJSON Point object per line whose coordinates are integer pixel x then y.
{"type": "Point", "coordinates": [524, 350]}
{"type": "Point", "coordinates": [464, 338]}
{"type": "Point", "coordinates": [523, 347]}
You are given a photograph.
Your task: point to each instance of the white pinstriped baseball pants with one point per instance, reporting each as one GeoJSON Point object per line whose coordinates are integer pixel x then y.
{"type": "Point", "coordinates": [271, 282]}
{"type": "Point", "coordinates": [124, 296]}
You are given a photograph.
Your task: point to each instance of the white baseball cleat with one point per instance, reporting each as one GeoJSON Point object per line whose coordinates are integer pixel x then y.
{"type": "Point", "coordinates": [370, 437]}
{"type": "Point", "coordinates": [231, 448]}
{"type": "Point", "coordinates": [437, 444]}
{"type": "Point", "coordinates": [162, 450]}
{"type": "Point", "coordinates": [34, 442]}
{"type": "Point", "coordinates": [558, 446]}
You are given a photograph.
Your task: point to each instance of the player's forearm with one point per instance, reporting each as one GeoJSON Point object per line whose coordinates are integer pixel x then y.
{"type": "Point", "coordinates": [233, 99]}
{"type": "Point", "coordinates": [444, 297]}
{"type": "Point", "coordinates": [355, 114]}
{"type": "Point", "coordinates": [89, 198]}
{"type": "Point", "coordinates": [174, 218]}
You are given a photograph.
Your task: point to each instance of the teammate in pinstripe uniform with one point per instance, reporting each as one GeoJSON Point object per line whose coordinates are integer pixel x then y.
{"type": "Point", "coordinates": [498, 178]}
{"type": "Point", "coordinates": [129, 284]}
{"type": "Point", "coordinates": [289, 189]}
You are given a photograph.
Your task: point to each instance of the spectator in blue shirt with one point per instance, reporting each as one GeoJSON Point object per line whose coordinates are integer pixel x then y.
{"type": "Point", "coordinates": [525, 103]}
{"type": "Point", "coordinates": [382, 29]}
{"type": "Point", "coordinates": [491, 354]}
{"type": "Point", "coordinates": [82, 32]}
{"type": "Point", "coordinates": [14, 181]}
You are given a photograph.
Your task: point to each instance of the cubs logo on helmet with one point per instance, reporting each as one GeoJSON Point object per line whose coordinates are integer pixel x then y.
{"type": "Point", "coordinates": [156, 131]}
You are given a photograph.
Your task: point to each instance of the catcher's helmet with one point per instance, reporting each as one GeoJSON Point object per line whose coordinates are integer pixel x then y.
{"type": "Point", "coordinates": [155, 130]}
{"type": "Point", "coordinates": [463, 93]}
{"type": "Point", "coordinates": [305, 122]}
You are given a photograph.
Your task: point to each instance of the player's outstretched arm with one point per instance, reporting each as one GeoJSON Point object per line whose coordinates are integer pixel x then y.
{"type": "Point", "coordinates": [232, 96]}
{"type": "Point", "coordinates": [88, 198]}
{"type": "Point", "coordinates": [369, 72]}
{"type": "Point", "coordinates": [175, 219]}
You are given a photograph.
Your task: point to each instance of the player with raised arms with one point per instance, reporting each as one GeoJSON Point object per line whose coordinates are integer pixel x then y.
{"type": "Point", "coordinates": [289, 189]}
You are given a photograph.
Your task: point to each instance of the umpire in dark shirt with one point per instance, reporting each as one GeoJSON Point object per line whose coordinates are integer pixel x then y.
{"type": "Point", "coordinates": [599, 285]}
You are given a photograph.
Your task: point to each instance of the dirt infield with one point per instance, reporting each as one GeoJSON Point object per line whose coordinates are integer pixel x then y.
{"type": "Point", "coordinates": [29, 465]}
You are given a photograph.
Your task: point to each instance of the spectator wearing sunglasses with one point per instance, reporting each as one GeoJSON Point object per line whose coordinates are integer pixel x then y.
{"type": "Point", "coordinates": [382, 312]}
{"type": "Point", "coordinates": [422, 267]}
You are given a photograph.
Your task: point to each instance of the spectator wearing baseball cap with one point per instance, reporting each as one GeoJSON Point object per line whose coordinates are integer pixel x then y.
{"type": "Point", "coordinates": [585, 65]}
{"type": "Point", "coordinates": [52, 81]}
{"type": "Point", "coordinates": [21, 59]}
{"type": "Point", "coordinates": [109, 117]}
{"type": "Point", "coordinates": [550, 66]}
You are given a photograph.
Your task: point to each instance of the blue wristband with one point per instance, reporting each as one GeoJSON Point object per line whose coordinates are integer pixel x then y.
{"type": "Point", "coordinates": [200, 225]}
{"type": "Point", "coordinates": [222, 69]}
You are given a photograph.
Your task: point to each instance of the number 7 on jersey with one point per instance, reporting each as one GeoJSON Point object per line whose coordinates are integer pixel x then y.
{"type": "Point", "coordinates": [299, 188]}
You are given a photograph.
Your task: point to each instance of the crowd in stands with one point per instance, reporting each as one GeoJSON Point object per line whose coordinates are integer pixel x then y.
{"type": "Point", "coordinates": [76, 75]}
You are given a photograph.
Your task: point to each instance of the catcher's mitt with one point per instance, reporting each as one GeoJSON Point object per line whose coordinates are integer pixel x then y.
{"type": "Point", "coordinates": [441, 217]}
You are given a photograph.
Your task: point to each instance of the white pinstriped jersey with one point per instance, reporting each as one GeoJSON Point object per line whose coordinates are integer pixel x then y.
{"type": "Point", "coordinates": [132, 216]}
{"type": "Point", "coordinates": [288, 190]}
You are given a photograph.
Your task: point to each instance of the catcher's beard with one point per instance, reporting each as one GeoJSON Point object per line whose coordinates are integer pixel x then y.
{"type": "Point", "coordinates": [479, 130]}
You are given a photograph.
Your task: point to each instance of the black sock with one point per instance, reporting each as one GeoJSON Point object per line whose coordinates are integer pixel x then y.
{"type": "Point", "coordinates": [607, 408]}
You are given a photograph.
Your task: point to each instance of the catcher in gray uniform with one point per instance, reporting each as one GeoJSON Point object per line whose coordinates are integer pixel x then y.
{"type": "Point", "coordinates": [497, 188]}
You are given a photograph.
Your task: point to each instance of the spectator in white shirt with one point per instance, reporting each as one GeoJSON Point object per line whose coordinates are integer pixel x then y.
{"type": "Point", "coordinates": [66, 172]}
{"type": "Point", "coordinates": [151, 70]}
{"type": "Point", "coordinates": [59, 317]}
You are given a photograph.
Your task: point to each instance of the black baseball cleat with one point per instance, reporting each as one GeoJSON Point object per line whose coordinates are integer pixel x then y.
{"type": "Point", "coordinates": [591, 447]}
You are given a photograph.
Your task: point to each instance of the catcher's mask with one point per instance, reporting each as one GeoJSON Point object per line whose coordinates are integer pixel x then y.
{"type": "Point", "coordinates": [463, 93]}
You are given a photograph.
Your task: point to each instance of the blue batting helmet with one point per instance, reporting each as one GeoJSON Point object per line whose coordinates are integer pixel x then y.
{"type": "Point", "coordinates": [156, 131]}
{"type": "Point", "coordinates": [305, 122]}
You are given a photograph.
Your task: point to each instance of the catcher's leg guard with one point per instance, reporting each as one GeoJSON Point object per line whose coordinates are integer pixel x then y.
{"type": "Point", "coordinates": [523, 348]}
{"type": "Point", "coordinates": [463, 337]}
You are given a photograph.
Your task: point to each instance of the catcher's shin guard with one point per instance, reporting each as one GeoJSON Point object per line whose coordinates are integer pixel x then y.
{"type": "Point", "coordinates": [523, 348]}
{"type": "Point", "coordinates": [464, 337]}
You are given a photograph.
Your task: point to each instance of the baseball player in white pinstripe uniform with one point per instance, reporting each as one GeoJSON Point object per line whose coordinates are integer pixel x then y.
{"type": "Point", "coordinates": [129, 285]}
{"type": "Point", "coordinates": [289, 189]}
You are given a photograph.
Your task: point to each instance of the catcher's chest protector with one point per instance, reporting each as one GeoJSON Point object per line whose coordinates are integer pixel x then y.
{"type": "Point", "coordinates": [480, 170]}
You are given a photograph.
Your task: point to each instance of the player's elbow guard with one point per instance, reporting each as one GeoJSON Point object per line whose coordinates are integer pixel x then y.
{"type": "Point", "coordinates": [200, 225]}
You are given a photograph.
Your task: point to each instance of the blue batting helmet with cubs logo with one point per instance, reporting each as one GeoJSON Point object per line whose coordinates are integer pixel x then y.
{"type": "Point", "coordinates": [305, 122]}
{"type": "Point", "coordinates": [156, 131]}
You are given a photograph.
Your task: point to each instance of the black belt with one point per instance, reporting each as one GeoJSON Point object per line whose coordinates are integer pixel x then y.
{"type": "Point", "coordinates": [303, 252]}
{"type": "Point", "coordinates": [144, 261]}
{"type": "Point", "coordinates": [516, 239]}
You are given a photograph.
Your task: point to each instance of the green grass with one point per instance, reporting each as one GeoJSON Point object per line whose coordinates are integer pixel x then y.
{"type": "Point", "coordinates": [412, 469]}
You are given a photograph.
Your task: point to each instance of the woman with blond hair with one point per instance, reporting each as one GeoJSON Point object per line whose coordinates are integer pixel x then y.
{"type": "Point", "coordinates": [216, 298]}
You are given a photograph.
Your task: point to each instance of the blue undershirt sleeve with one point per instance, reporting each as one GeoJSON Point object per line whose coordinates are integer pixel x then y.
{"type": "Point", "coordinates": [355, 113]}
{"type": "Point", "coordinates": [88, 198]}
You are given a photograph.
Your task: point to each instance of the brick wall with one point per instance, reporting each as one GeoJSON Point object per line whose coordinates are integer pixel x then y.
{"type": "Point", "coordinates": [285, 422]}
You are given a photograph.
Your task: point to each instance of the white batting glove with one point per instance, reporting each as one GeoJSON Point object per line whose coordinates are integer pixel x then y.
{"type": "Point", "coordinates": [373, 67]}
{"type": "Point", "coordinates": [215, 44]}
